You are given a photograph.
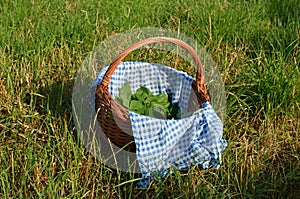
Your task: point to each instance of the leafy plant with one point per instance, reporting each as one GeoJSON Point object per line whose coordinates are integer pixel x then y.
{"type": "Point", "coordinates": [125, 95]}
{"type": "Point", "coordinates": [145, 103]}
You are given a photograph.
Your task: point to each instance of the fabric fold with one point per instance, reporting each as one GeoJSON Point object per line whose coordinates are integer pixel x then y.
{"type": "Point", "coordinates": [196, 140]}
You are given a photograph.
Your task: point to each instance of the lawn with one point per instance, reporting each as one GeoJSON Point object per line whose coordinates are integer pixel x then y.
{"type": "Point", "coordinates": [255, 45]}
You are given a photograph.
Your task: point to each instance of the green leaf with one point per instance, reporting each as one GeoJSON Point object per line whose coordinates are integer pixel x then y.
{"type": "Point", "coordinates": [175, 111]}
{"type": "Point", "coordinates": [162, 98]}
{"type": "Point", "coordinates": [145, 103]}
{"type": "Point", "coordinates": [165, 104]}
{"type": "Point", "coordinates": [137, 106]}
{"type": "Point", "coordinates": [118, 100]}
{"type": "Point", "coordinates": [125, 94]}
{"type": "Point", "coordinates": [142, 93]}
{"type": "Point", "coordinates": [158, 111]}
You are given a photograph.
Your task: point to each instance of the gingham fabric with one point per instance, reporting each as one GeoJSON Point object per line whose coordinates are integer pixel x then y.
{"type": "Point", "coordinates": [161, 144]}
{"type": "Point", "coordinates": [159, 79]}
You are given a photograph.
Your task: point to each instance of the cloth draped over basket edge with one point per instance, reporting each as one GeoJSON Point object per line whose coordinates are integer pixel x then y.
{"type": "Point", "coordinates": [164, 143]}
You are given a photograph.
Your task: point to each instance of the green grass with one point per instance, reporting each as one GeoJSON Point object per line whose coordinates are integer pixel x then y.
{"type": "Point", "coordinates": [254, 43]}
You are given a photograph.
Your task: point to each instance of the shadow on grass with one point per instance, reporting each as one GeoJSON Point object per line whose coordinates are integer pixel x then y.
{"type": "Point", "coordinates": [282, 183]}
{"type": "Point", "coordinates": [53, 101]}
{"type": "Point", "coordinates": [284, 12]}
{"type": "Point", "coordinates": [57, 98]}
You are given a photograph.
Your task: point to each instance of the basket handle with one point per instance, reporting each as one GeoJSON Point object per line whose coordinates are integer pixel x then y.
{"type": "Point", "coordinates": [200, 73]}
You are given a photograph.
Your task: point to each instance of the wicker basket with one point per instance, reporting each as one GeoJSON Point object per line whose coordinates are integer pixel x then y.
{"type": "Point", "coordinates": [109, 111]}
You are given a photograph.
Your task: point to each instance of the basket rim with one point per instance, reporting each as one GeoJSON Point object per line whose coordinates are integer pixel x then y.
{"type": "Point", "coordinates": [153, 64]}
{"type": "Point", "coordinates": [200, 71]}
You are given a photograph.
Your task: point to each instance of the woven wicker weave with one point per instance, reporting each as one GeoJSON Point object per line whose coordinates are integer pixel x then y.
{"type": "Point", "coordinates": [109, 111]}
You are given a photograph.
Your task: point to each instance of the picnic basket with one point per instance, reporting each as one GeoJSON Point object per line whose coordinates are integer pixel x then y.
{"type": "Point", "coordinates": [113, 118]}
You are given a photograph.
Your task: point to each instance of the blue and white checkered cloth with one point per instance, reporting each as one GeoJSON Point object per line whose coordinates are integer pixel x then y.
{"type": "Point", "coordinates": [161, 144]}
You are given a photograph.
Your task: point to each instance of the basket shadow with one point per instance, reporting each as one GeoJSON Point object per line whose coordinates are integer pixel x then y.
{"type": "Point", "coordinates": [55, 101]}
{"type": "Point", "coordinates": [58, 98]}
{"type": "Point", "coordinates": [283, 12]}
